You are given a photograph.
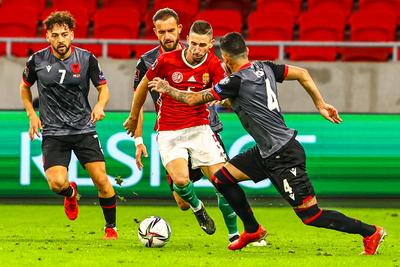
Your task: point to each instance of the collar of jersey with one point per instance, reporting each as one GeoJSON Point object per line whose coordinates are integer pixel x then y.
{"type": "Point", "coordinates": [188, 64]}
{"type": "Point", "coordinates": [245, 66]}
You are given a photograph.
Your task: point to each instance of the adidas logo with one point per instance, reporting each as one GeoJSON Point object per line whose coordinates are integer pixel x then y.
{"type": "Point", "coordinates": [192, 79]}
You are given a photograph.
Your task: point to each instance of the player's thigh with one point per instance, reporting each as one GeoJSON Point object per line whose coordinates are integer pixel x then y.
{"type": "Point", "coordinates": [56, 152]}
{"type": "Point", "coordinates": [87, 148]}
{"type": "Point", "coordinates": [247, 165]}
{"type": "Point", "coordinates": [210, 170]}
{"type": "Point", "coordinates": [171, 146]}
{"type": "Point", "coordinates": [204, 148]}
{"type": "Point", "coordinates": [288, 174]}
{"type": "Point", "coordinates": [179, 171]}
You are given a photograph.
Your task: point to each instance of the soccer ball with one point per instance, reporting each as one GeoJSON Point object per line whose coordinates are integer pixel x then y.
{"type": "Point", "coordinates": [154, 232]}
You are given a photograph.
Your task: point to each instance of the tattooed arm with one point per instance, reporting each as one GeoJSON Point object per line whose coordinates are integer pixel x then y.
{"type": "Point", "coordinates": [190, 98]}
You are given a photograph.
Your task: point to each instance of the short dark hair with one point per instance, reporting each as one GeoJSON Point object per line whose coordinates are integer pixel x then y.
{"type": "Point", "coordinates": [164, 14]}
{"type": "Point", "coordinates": [233, 44]}
{"type": "Point", "coordinates": [60, 18]}
{"type": "Point", "coordinates": [201, 27]}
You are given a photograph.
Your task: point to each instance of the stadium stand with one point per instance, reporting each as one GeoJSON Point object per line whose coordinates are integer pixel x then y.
{"type": "Point", "coordinates": [370, 25]}
{"type": "Point", "coordinates": [319, 24]}
{"type": "Point", "coordinates": [273, 25]}
{"type": "Point", "coordinates": [12, 25]}
{"type": "Point", "coordinates": [39, 5]}
{"type": "Point", "coordinates": [90, 5]}
{"type": "Point", "coordinates": [218, 18]}
{"type": "Point", "coordinates": [140, 5]}
{"type": "Point", "coordinates": [118, 23]}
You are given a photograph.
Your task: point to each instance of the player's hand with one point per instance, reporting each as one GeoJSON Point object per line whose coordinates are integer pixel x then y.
{"type": "Point", "coordinates": [330, 113]}
{"type": "Point", "coordinates": [158, 85]}
{"type": "Point", "coordinates": [140, 150]}
{"type": "Point", "coordinates": [130, 125]}
{"type": "Point", "coordinates": [97, 114]}
{"type": "Point", "coordinates": [34, 126]}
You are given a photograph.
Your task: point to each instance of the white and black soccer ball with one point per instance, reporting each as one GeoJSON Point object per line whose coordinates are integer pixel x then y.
{"type": "Point", "coordinates": [154, 232]}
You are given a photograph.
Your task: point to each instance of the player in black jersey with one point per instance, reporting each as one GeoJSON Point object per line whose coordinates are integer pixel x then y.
{"type": "Point", "coordinates": [67, 122]}
{"type": "Point", "coordinates": [167, 30]}
{"type": "Point", "coordinates": [252, 90]}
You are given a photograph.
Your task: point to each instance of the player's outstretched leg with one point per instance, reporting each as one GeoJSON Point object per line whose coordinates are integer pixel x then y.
{"type": "Point", "coordinates": [187, 193]}
{"type": "Point", "coordinates": [331, 219]}
{"type": "Point", "coordinates": [70, 202]}
{"type": "Point", "coordinates": [227, 185]}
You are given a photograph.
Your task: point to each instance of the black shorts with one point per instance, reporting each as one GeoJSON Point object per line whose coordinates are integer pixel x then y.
{"type": "Point", "coordinates": [57, 149]}
{"type": "Point", "coordinates": [196, 174]}
{"type": "Point", "coordinates": [286, 170]}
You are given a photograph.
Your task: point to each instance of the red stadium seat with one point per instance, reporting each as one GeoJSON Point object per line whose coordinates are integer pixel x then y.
{"type": "Point", "coordinates": [115, 23]}
{"type": "Point", "coordinates": [276, 5]}
{"type": "Point", "coordinates": [319, 25]}
{"type": "Point", "coordinates": [39, 5]}
{"type": "Point", "coordinates": [243, 6]}
{"type": "Point", "coordinates": [218, 19]}
{"type": "Point", "coordinates": [81, 16]}
{"type": "Point", "coordinates": [12, 25]}
{"type": "Point", "coordinates": [186, 9]}
{"type": "Point", "coordinates": [140, 5]}
{"type": "Point", "coordinates": [89, 5]}
{"type": "Point", "coordinates": [346, 6]}
{"type": "Point", "coordinates": [370, 26]}
{"type": "Point", "coordinates": [274, 25]}
{"type": "Point", "coordinates": [382, 5]}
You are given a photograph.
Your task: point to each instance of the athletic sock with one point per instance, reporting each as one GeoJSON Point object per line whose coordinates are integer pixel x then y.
{"type": "Point", "coordinates": [234, 194]}
{"type": "Point", "coordinates": [69, 192]}
{"type": "Point", "coordinates": [335, 220]}
{"type": "Point", "coordinates": [228, 213]}
{"type": "Point", "coordinates": [109, 210]}
{"type": "Point", "coordinates": [187, 193]}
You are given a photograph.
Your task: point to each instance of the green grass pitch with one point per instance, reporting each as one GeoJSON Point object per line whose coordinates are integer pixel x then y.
{"type": "Point", "coordinates": [41, 235]}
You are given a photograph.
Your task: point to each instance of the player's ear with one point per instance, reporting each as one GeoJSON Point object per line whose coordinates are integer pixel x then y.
{"type": "Point", "coordinates": [155, 30]}
{"type": "Point", "coordinates": [247, 51]}
{"type": "Point", "coordinates": [212, 43]}
{"type": "Point", "coordinates": [48, 36]}
{"type": "Point", "coordinates": [180, 27]}
{"type": "Point", "coordinates": [72, 35]}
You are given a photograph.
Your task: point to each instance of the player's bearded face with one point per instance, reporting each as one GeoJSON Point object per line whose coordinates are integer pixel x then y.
{"type": "Point", "coordinates": [199, 46]}
{"type": "Point", "coordinates": [60, 37]}
{"type": "Point", "coordinates": [167, 32]}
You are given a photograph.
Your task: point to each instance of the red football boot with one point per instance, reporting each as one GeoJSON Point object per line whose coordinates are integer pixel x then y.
{"type": "Point", "coordinates": [110, 233]}
{"type": "Point", "coordinates": [372, 242]}
{"type": "Point", "coordinates": [71, 204]}
{"type": "Point", "coordinates": [246, 238]}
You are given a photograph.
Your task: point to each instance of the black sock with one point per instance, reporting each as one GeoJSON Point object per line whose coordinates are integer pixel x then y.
{"type": "Point", "coordinates": [67, 192]}
{"type": "Point", "coordinates": [335, 220]}
{"type": "Point", "coordinates": [109, 210]}
{"type": "Point", "coordinates": [234, 194]}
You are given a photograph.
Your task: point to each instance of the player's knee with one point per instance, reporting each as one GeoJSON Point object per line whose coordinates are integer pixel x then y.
{"type": "Point", "coordinates": [181, 181]}
{"type": "Point", "coordinates": [57, 185]}
{"type": "Point", "coordinates": [221, 178]}
{"type": "Point", "coordinates": [309, 214]}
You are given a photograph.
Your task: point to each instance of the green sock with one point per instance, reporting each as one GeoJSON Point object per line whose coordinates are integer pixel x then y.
{"type": "Point", "coordinates": [228, 213]}
{"type": "Point", "coordinates": [187, 193]}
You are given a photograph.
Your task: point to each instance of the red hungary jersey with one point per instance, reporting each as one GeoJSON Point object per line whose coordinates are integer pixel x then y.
{"type": "Point", "coordinates": [173, 66]}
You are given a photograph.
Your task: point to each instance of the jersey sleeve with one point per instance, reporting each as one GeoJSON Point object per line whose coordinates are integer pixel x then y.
{"type": "Point", "coordinates": [95, 73]}
{"type": "Point", "coordinates": [29, 75]}
{"type": "Point", "coordinates": [226, 88]}
{"type": "Point", "coordinates": [140, 71]}
{"type": "Point", "coordinates": [280, 70]}
{"type": "Point", "coordinates": [156, 69]}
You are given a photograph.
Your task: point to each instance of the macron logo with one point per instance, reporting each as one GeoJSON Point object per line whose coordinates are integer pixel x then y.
{"type": "Point", "coordinates": [293, 171]}
{"type": "Point", "coordinates": [48, 68]}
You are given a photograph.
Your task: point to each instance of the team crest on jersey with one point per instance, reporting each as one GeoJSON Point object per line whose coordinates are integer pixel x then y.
{"type": "Point", "coordinates": [206, 78]}
{"type": "Point", "coordinates": [76, 69]}
{"type": "Point", "coordinates": [177, 77]}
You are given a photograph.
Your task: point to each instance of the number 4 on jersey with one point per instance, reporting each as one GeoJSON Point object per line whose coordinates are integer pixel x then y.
{"type": "Point", "coordinates": [271, 97]}
{"type": "Point", "coordinates": [288, 189]}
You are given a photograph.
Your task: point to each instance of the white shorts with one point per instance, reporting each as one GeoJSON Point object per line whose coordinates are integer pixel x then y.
{"type": "Point", "coordinates": [199, 142]}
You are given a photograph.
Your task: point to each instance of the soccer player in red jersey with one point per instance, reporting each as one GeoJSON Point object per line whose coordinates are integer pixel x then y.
{"type": "Point", "coordinates": [184, 130]}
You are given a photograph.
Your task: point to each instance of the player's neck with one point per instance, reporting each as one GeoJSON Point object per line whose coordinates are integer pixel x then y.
{"type": "Point", "coordinates": [239, 64]}
{"type": "Point", "coordinates": [189, 58]}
